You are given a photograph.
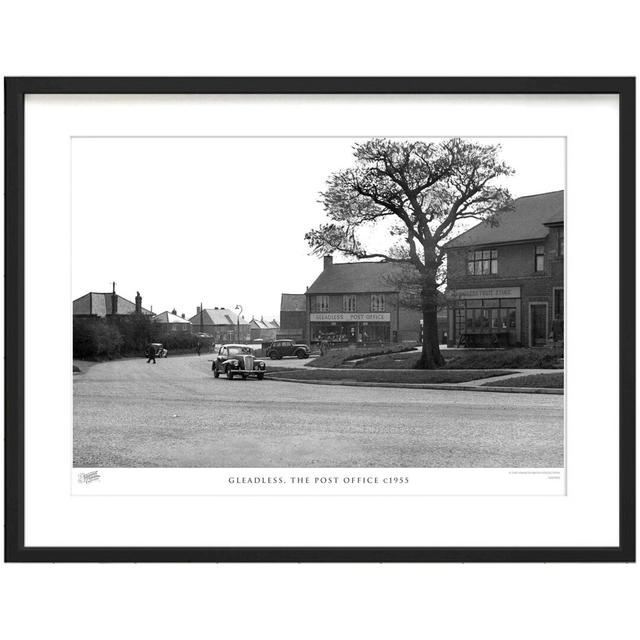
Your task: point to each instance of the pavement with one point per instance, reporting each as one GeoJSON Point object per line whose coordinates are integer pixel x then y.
{"type": "Point", "coordinates": [128, 413]}
{"type": "Point", "coordinates": [470, 385]}
{"type": "Point", "coordinates": [516, 373]}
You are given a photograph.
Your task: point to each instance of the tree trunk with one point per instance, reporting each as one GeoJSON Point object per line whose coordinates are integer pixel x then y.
{"type": "Point", "coordinates": [431, 357]}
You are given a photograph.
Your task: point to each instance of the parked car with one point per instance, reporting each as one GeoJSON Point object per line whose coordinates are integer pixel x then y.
{"type": "Point", "coordinates": [281, 348]}
{"type": "Point", "coordinates": [237, 360]}
{"type": "Point", "coordinates": [161, 352]}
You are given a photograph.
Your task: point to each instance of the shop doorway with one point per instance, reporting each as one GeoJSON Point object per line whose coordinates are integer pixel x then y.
{"type": "Point", "coordinates": [538, 329]}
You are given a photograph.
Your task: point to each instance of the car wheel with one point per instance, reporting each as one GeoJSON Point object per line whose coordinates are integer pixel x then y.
{"type": "Point", "coordinates": [273, 355]}
{"type": "Point", "coordinates": [260, 376]}
{"type": "Point", "coordinates": [216, 373]}
{"type": "Point", "coordinates": [301, 354]}
{"type": "Point", "coordinates": [229, 374]}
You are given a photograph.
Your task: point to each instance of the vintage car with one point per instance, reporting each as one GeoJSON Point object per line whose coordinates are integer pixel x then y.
{"type": "Point", "coordinates": [160, 351]}
{"type": "Point", "coordinates": [237, 360]}
{"type": "Point", "coordinates": [281, 348]}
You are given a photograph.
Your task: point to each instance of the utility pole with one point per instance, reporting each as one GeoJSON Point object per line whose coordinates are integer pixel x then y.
{"type": "Point", "coordinates": [239, 306]}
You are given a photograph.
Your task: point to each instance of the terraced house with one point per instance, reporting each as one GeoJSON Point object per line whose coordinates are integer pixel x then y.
{"type": "Point", "coordinates": [505, 281]}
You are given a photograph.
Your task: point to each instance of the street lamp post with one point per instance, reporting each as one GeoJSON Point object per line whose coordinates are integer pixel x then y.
{"type": "Point", "coordinates": [239, 306]}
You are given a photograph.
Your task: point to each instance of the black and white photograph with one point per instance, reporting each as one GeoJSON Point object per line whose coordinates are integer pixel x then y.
{"type": "Point", "coordinates": [311, 327]}
{"type": "Point", "coordinates": [318, 302]}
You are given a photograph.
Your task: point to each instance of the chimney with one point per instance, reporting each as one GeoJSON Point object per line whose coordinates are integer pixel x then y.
{"type": "Point", "coordinates": [183, 316]}
{"type": "Point", "coordinates": [138, 302]}
{"type": "Point", "coordinates": [328, 261]}
{"type": "Point", "coordinates": [114, 300]}
{"type": "Point", "coordinates": [174, 312]}
{"type": "Point", "coordinates": [198, 309]}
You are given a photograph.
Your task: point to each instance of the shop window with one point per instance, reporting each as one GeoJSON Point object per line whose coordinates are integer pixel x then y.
{"type": "Point", "coordinates": [503, 318]}
{"type": "Point", "coordinates": [539, 257]}
{"type": "Point", "coordinates": [377, 302]}
{"type": "Point", "coordinates": [348, 303]}
{"type": "Point", "coordinates": [482, 263]}
{"type": "Point", "coordinates": [320, 304]}
{"type": "Point", "coordinates": [469, 319]}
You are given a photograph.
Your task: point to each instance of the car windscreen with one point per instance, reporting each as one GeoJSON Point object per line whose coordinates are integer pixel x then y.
{"type": "Point", "coordinates": [237, 351]}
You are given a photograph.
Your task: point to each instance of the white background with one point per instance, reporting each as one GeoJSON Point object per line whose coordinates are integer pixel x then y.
{"type": "Point", "coordinates": [370, 38]}
{"type": "Point", "coordinates": [192, 192]}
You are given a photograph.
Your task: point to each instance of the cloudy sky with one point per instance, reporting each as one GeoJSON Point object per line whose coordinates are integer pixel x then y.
{"type": "Point", "coordinates": [222, 220]}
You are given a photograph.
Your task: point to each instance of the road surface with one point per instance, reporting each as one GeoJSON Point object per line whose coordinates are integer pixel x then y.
{"type": "Point", "coordinates": [128, 413]}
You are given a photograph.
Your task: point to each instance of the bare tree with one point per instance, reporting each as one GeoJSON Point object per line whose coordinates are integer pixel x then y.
{"type": "Point", "coordinates": [423, 191]}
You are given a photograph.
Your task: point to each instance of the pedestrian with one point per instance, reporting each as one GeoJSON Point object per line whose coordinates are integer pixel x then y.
{"type": "Point", "coordinates": [198, 347]}
{"type": "Point", "coordinates": [151, 354]}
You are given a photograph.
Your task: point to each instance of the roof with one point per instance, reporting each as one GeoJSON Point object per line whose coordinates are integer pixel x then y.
{"type": "Point", "coordinates": [99, 304]}
{"type": "Point", "coordinates": [358, 277]}
{"type": "Point", "coordinates": [527, 221]}
{"type": "Point", "coordinates": [166, 317]}
{"type": "Point", "coordinates": [293, 302]}
{"type": "Point", "coordinates": [264, 324]}
{"type": "Point", "coordinates": [217, 317]}
{"type": "Point", "coordinates": [557, 218]}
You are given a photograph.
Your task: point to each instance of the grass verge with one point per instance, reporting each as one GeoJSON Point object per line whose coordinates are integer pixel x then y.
{"type": "Point", "coordinates": [337, 357]}
{"type": "Point", "coordinates": [416, 376]}
{"type": "Point", "coordinates": [485, 359]}
{"type": "Point", "coordinates": [537, 381]}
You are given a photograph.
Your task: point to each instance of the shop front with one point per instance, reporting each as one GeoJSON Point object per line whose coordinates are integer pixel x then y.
{"type": "Point", "coordinates": [345, 328]}
{"type": "Point", "coordinates": [485, 317]}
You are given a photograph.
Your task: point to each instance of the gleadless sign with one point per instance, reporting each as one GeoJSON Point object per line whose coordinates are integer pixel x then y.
{"type": "Point", "coordinates": [350, 317]}
{"type": "Point", "coordinates": [491, 292]}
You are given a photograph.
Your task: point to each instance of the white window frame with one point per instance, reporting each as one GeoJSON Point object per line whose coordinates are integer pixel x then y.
{"type": "Point", "coordinates": [347, 301]}
{"type": "Point", "coordinates": [378, 303]}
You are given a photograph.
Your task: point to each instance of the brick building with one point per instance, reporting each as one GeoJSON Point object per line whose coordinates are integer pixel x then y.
{"type": "Point", "coordinates": [169, 322]}
{"type": "Point", "coordinates": [265, 330]}
{"type": "Point", "coordinates": [505, 282]}
{"type": "Point", "coordinates": [359, 302]}
{"type": "Point", "coordinates": [293, 317]}
{"type": "Point", "coordinates": [223, 325]}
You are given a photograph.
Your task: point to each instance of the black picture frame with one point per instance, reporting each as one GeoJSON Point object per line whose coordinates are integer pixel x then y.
{"type": "Point", "coordinates": [15, 91]}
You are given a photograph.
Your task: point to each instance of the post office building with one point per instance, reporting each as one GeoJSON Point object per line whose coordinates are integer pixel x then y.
{"type": "Point", "coordinates": [359, 302]}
